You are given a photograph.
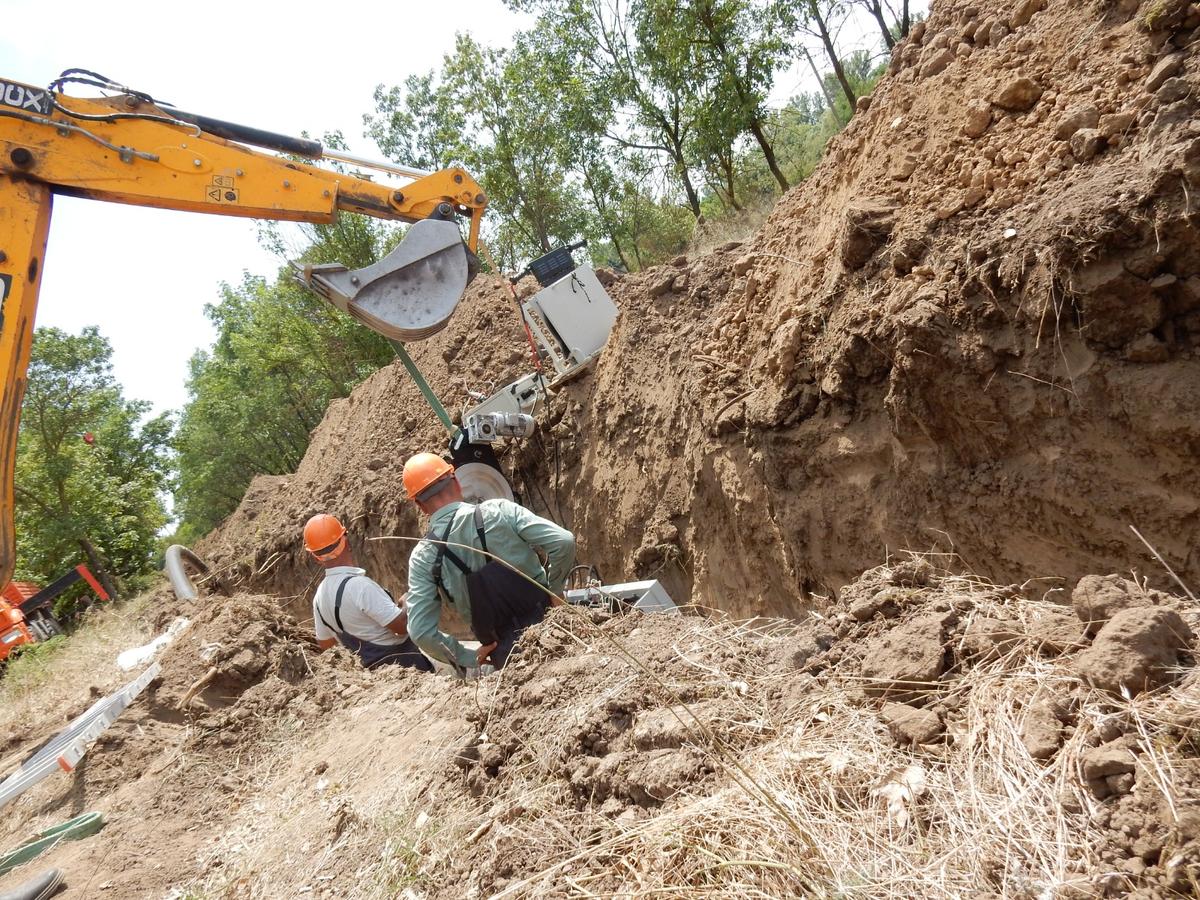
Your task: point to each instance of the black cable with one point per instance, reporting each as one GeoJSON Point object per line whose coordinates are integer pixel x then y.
{"type": "Point", "coordinates": [113, 117]}
{"type": "Point", "coordinates": [95, 79]}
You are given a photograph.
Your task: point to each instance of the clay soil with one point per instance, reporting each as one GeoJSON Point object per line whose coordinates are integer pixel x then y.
{"type": "Point", "coordinates": [962, 354]}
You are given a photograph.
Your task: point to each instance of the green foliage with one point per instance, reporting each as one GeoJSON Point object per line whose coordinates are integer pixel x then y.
{"type": "Point", "coordinates": [618, 120]}
{"type": "Point", "coordinates": [99, 503]}
{"type": "Point", "coordinates": [28, 665]}
{"type": "Point", "coordinates": [494, 110]}
{"type": "Point", "coordinates": [280, 356]}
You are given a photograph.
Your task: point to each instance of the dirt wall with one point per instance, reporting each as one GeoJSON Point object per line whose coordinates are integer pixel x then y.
{"type": "Point", "coordinates": [974, 330]}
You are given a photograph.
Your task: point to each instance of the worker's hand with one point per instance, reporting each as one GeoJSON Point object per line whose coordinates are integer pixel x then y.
{"type": "Point", "coordinates": [482, 654]}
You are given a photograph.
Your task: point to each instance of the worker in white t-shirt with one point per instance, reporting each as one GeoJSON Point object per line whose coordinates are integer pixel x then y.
{"type": "Point", "coordinates": [350, 608]}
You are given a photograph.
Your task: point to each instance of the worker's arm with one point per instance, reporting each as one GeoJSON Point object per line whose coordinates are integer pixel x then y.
{"type": "Point", "coordinates": [325, 636]}
{"type": "Point", "coordinates": [556, 541]}
{"type": "Point", "coordinates": [425, 612]}
{"type": "Point", "coordinates": [378, 605]}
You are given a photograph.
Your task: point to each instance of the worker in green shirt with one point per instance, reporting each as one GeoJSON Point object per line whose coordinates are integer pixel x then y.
{"type": "Point", "coordinates": [495, 601]}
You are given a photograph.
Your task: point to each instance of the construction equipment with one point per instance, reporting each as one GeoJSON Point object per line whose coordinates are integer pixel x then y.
{"type": "Point", "coordinates": [131, 148]}
{"type": "Point", "coordinates": [26, 616]}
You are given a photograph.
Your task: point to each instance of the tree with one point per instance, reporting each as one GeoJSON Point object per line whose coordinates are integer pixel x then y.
{"type": "Point", "coordinates": [280, 356]}
{"type": "Point", "coordinates": [100, 497]}
{"type": "Point", "coordinates": [822, 19]}
{"type": "Point", "coordinates": [742, 46]}
{"type": "Point", "coordinates": [495, 110]}
{"type": "Point", "coordinates": [895, 30]}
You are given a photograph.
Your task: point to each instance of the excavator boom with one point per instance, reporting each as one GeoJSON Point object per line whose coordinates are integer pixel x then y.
{"type": "Point", "coordinates": [129, 149]}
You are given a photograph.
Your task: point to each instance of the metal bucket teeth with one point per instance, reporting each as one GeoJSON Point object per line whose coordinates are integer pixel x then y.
{"type": "Point", "coordinates": [408, 295]}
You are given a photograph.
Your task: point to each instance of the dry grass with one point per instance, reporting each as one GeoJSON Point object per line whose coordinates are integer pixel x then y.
{"type": "Point", "coordinates": [38, 682]}
{"type": "Point", "coordinates": [810, 796]}
{"type": "Point", "coordinates": [831, 805]}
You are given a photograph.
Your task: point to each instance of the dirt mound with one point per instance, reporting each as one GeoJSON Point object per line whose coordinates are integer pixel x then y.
{"type": "Point", "coordinates": [644, 754]}
{"type": "Point", "coordinates": [921, 714]}
{"type": "Point", "coordinates": [974, 329]}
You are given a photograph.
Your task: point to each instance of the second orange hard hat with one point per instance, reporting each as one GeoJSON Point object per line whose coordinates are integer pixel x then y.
{"type": "Point", "coordinates": [422, 471]}
{"type": "Point", "coordinates": [324, 536]}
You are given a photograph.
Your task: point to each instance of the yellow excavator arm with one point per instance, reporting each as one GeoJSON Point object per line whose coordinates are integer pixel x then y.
{"type": "Point", "coordinates": [129, 149]}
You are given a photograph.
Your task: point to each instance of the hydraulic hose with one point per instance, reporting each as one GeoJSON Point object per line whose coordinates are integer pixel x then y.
{"type": "Point", "coordinates": [181, 583]}
{"type": "Point", "coordinates": [39, 888]}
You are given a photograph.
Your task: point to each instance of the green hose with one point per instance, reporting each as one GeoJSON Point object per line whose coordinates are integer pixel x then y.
{"type": "Point", "coordinates": [419, 379]}
{"type": "Point", "coordinates": [72, 830]}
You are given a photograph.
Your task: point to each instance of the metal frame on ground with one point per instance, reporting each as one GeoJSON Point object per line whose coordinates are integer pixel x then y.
{"type": "Point", "coordinates": [68, 747]}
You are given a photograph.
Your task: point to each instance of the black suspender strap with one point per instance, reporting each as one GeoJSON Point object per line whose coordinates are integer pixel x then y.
{"type": "Point", "coordinates": [444, 552]}
{"type": "Point", "coordinates": [337, 606]}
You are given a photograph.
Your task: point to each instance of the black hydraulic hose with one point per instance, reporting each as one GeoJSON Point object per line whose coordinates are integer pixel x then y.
{"type": "Point", "coordinates": [247, 134]}
{"type": "Point", "coordinates": [39, 888]}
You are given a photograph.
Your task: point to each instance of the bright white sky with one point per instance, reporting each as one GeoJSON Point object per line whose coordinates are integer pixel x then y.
{"type": "Point", "coordinates": [143, 276]}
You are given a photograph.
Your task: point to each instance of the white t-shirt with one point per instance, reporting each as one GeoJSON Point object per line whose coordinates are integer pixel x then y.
{"type": "Point", "coordinates": [366, 607]}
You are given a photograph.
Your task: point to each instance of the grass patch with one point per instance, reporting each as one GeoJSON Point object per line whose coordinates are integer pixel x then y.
{"type": "Point", "coordinates": [28, 665]}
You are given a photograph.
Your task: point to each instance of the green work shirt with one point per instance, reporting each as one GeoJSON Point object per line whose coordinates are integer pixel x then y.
{"type": "Point", "coordinates": [512, 534]}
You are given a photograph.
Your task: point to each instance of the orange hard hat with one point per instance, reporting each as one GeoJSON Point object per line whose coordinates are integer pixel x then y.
{"type": "Point", "coordinates": [324, 536]}
{"type": "Point", "coordinates": [423, 471]}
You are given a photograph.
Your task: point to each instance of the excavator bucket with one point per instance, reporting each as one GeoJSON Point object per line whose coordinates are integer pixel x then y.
{"type": "Point", "coordinates": [411, 293]}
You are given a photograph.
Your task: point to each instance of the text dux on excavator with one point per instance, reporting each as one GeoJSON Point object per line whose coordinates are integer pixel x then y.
{"type": "Point", "coordinates": [130, 148]}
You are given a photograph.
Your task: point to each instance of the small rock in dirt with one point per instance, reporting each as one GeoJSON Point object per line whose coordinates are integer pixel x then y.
{"type": "Point", "coordinates": [909, 725]}
{"type": "Point", "coordinates": [1024, 11]}
{"type": "Point", "coordinates": [1081, 115]}
{"type": "Point", "coordinates": [977, 118]}
{"type": "Point", "coordinates": [1108, 759]}
{"type": "Point", "coordinates": [1117, 306]}
{"type": "Point", "coordinates": [1086, 143]}
{"type": "Point", "coordinates": [1116, 123]}
{"type": "Point", "coordinates": [862, 104]}
{"type": "Point", "coordinates": [1173, 90]}
{"type": "Point", "coordinates": [1147, 349]}
{"type": "Point", "coordinates": [744, 264]}
{"type": "Point", "coordinates": [1167, 67]}
{"type": "Point", "coordinates": [1041, 732]}
{"type": "Point", "coordinates": [320, 768]}
{"type": "Point", "coordinates": [1138, 649]}
{"type": "Point", "coordinates": [903, 664]}
{"type": "Point", "coordinates": [863, 607]}
{"type": "Point", "coordinates": [987, 639]}
{"type": "Point", "coordinates": [679, 262]}
{"type": "Point", "coordinates": [907, 254]}
{"type": "Point", "coordinates": [1018, 95]}
{"type": "Point", "coordinates": [1056, 631]}
{"type": "Point", "coordinates": [606, 277]}
{"type": "Point", "coordinates": [661, 284]}
{"type": "Point", "coordinates": [1120, 784]}
{"type": "Point", "coordinates": [673, 726]}
{"type": "Point", "coordinates": [938, 60]}
{"type": "Point", "coordinates": [1097, 598]}
{"type": "Point", "coordinates": [868, 226]}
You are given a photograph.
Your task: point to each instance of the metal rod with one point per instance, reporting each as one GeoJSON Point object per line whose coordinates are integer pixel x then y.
{"type": "Point", "coordinates": [426, 390]}
{"type": "Point", "coordinates": [406, 171]}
